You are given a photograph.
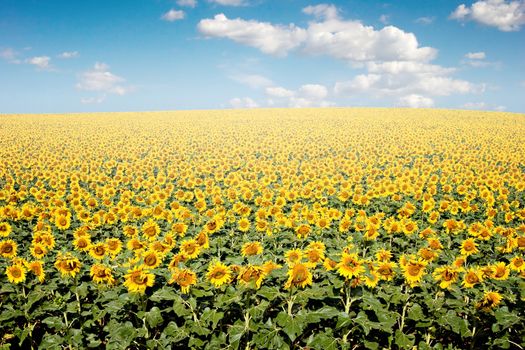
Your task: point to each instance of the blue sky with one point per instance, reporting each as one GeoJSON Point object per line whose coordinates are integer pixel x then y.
{"type": "Point", "coordinates": [113, 55]}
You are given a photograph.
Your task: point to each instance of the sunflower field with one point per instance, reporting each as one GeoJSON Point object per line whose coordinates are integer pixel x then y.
{"type": "Point", "coordinates": [265, 229]}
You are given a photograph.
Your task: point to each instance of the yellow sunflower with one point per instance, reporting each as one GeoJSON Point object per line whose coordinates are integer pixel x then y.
{"type": "Point", "coordinates": [82, 243]}
{"type": "Point", "coordinates": [414, 270]}
{"type": "Point", "coordinates": [150, 229]}
{"type": "Point", "coordinates": [251, 248]}
{"type": "Point", "coordinates": [151, 259]}
{"type": "Point", "coordinates": [303, 230]}
{"type": "Point", "coordinates": [5, 229]}
{"type": "Point", "coordinates": [114, 246]}
{"type": "Point", "coordinates": [37, 268]}
{"type": "Point", "coordinates": [489, 301]}
{"type": "Point", "coordinates": [293, 256]}
{"type": "Point", "coordinates": [244, 225]}
{"type": "Point", "coordinates": [517, 264]}
{"type": "Point", "coordinates": [190, 248]}
{"type": "Point", "coordinates": [299, 275]}
{"type": "Point", "coordinates": [101, 274]}
{"type": "Point", "coordinates": [63, 222]}
{"type": "Point", "coordinates": [8, 248]}
{"type": "Point", "coordinates": [251, 276]}
{"type": "Point", "coordinates": [446, 276]}
{"type": "Point", "coordinates": [350, 265]}
{"type": "Point", "coordinates": [472, 277]}
{"type": "Point", "coordinates": [138, 279]}
{"type": "Point", "coordinates": [500, 271]}
{"type": "Point", "coordinates": [203, 240]}
{"type": "Point", "coordinates": [184, 278]}
{"type": "Point", "coordinates": [16, 273]}
{"type": "Point", "coordinates": [385, 270]}
{"type": "Point", "coordinates": [98, 251]}
{"type": "Point", "coordinates": [269, 266]}
{"type": "Point", "coordinates": [219, 274]}
{"type": "Point", "coordinates": [38, 251]}
{"type": "Point", "coordinates": [67, 264]}
{"type": "Point", "coordinates": [469, 247]}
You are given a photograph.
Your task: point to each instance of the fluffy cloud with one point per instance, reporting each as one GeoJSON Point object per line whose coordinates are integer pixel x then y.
{"type": "Point", "coordinates": [68, 54]}
{"type": "Point", "coordinates": [270, 39]}
{"type": "Point", "coordinates": [245, 102]}
{"type": "Point", "coordinates": [346, 40]}
{"type": "Point", "coordinates": [187, 3]}
{"type": "Point", "coordinates": [405, 80]}
{"type": "Point", "coordinates": [505, 15]}
{"type": "Point", "coordinates": [254, 81]}
{"type": "Point", "coordinates": [100, 79]}
{"type": "Point", "coordinates": [415, 101]}
{"type": "Point", "coordinates": [308, 95]}
{"type": "Point", "coordinates": [41, 62]}
{"type": "Point", "coordinates": [173, 15]}
{"type": "Point", "coordinates": [477, 60]}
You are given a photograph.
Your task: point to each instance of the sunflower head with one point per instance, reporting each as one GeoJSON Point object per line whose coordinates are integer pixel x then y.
{"type": "Point", "coordinates": [251, 248]}
{"type": "Point", "coordinates": [299, 275]}
{"type": "Point", "coordinates": [138, 279]}
{"type": "Point", "coordinates": [489, 301]}
{"type": "Point", "coordinates": [184, 278]}
{"type": "Point", "coordinates": [219, 274]}
{"type": "Point", "coordinates": [16, 273]}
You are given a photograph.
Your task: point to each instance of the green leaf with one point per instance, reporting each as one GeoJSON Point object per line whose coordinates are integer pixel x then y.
{"type": "Point", "coordinates": [455, 323]}
{"type": "Point", "coordinates": [54, 322]}
{"type": "Point", "coordinates": [415, 312]}
{"type": "Point", "coordinates": [164, 293]}
{"type": "Point", "coordinates": [292, 326]}
{"type": "Point", "coordinates": [154, 317]}
{"type": "Point", "coordinates": [235, 334]}
{"type": "Point", "coordinates": [51, 341]}
{"type": "Point", "coordinates": [269, 293]}
{"type": "Point", "coordinates": [121, 335]}
{"type": "Point", "coordinates": [505, 318]}
{"type": "Point", "coordinates": [404, 341]}
{"type": "Point", "coordinates": [174, 333]}
{"type": "Point", "coordinates": [362, 320]}
{"type": "Point", "coordinates": [180, 308]}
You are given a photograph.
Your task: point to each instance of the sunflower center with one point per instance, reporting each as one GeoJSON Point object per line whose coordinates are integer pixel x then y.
{"type": "Point", "coordinates": [150, 260]}
{"type": "Point", "coordinates": [16, 273]}
{"type": "Point", "coordinates": [414, 270]}
{"type": "Point", "coordinates": [472, 278]}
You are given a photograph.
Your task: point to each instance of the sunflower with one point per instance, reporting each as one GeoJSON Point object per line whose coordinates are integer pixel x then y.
{"type": "Point", "coordinates": [314, 255]}
{"type": "Point", "coordinates": [293, 256]}
{"type": "Point", "coordinates": [138, 279]}
{"type": "Point", "coordinates": [317, 245]}
{"type": "Point", "coordinates": [114, 246]}
{"type": "Point", "coordinates": [62, 222]}
{"type": "Point", "coordinates": [82, 243]}
{"type": "Point", "coordinates": [385, 270]}
{"type": "Point", "coordinates": [98, 251]}
{"type": "Point", "coordinates": [176, 260]}
{"type": "Point", "coordinates": [38, 250]}
{"type": "Point", "coordinates": [469, 247]}
{"type": "Point", "coordinates": [303, 230]}
{"type": "Point", "coordinates": [219, 274]}
{"type": "Point", "coordinates": [5, 229]}
{"type": "Point", "coordinates": [37, 268]}
{"type": "Point", "coordinates": [371, 279]}
{"type": "Point", "coordinates": [383, 255]}
{"type": "Point", "coordinates": [517, 264]}
{"type": "Point", "coordinates": [203, 240]}
{"type": "Point", "coordinates": [184, 278]}
{"type": "Point", "coordinates": [251, 276]}
{"type": "Point", "coordinates": [299, 275]}
{"type": "Point", "coordinates": [269, 266]}
{"type": "Point", "coordinates": [150, 229]}
{"type": "Point", "coordinates": [489, 301]}
{"type": "Point", "coordinates": [350, 265]}
{"type": "Point", "coordinates": [190, 248]}
{"type": "Point", "coordinates": [16, 273]}
{"type": "Point", "coordinates": [472, 277]}
{"type": "Point", "coordinates": [8, 248]}
{"type": "Point", "coordinates": [101, 274]}
{"type": "Point", "coordinates": [329, 264]}
{"type": "Point", "coordinates": [251, 248]}
{"type": "Point", "coordinates": [151, 259]}
{"type": "Point", "coordinates": [135, 244]}
{"type": "Point", "coordinates": [414, 270]}
{"type": "Point", "coordinates": [244, 225]}
{"type": "Point", "coordinates": [501, 271]}
{"type": "Point", "coordinates": [67, 264]}
{"type": "Point", "coordinates": [427, 254]}
{"type": "Point", "coordinates": [446, 275]}
{"type": "Point", "coordinates": [179, 228]}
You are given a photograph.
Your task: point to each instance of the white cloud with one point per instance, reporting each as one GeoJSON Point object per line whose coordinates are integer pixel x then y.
{"type": "Point", "coordinates": [173, 15]}
{"type": "Point", "coordinates": [187, 3]}
{"type": "Point", "coordinates": [245, 102]}
{"type": "Point", "coordinates": [10, 55]}
{"type": "Point", "coordinates": [254, 81]}
{"type": "Point", "coordinates": [41, 62]}
{"type": "Point", "coordinates": [270, 39]}
{"type": "Point", "coordinates": [415, 101]}
{"type": "Point", "coordinates": [101, 79]}
{"type": "Point", "coordinates": [68, 54]}
{"type": "Point", "coordinates": [476, 55]}
{"type": "Point", "coordinates": [308, 95]}
{"type": "Point", "coordinates": [425, 20]}
{"type": "Point", "coordinates": [322, 11]}
{"type": "Point", "coordinates": [346, 40]}
{"type": "Point", "coordinates": [505, 15]}
{"type": "Point", "coordinates": [229, 2]}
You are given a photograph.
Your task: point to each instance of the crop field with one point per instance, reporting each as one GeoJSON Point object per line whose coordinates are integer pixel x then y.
{"type": "Point", "coordinates": [263, 229]}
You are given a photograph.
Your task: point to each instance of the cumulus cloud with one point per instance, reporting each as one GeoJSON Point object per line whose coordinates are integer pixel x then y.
{"type": "Point", "coordinates": [329, 35]}
{"type": "Point", "coordinates": [477, 60]}
{"type": "Point", "coordinates": [229, 2]}
{"type": "Point", "coordinates": [415, 101]}
{"type": "Point", "coordinates": [10, 55]}
{"type": "Point", "coordinates": [68, 54]}
{"type": "Point", "coordinates": [187, 3]}
{"type": "Point", "coordinates": [505, 15]}
{"type": "Point", "coordinates": [173, 15]}
{"type": "Point", "coordinates": [41, 62]}
{"type": "Point", "coordinates": [425, 20]}
{"type": "Point", "coordinates": [308, 95]}
{"type": "Point", "coordinates": [100, 79]}
{"type": "Point", "coordinates": [254, 81]}
{"type": "Point", "coordinates": [244, 102]}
